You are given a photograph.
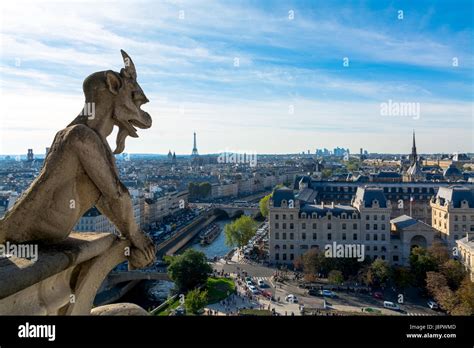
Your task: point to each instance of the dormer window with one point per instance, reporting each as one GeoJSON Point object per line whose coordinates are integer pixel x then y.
{"type": "Point", "coordinates": [303, 215]}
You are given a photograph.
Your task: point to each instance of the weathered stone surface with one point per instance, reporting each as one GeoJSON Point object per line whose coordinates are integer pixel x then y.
{"type": "Point", "coordinates": [66, 278]}
{"type": "Point", "coordinates": [52, 259]}
{"type": "Point", "coordinates": [119, 309]}
{"type": "Point", "coordinates": [79, 171]}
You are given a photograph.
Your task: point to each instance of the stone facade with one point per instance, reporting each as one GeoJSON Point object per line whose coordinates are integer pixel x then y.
{"type": "Point", "coordinates": [297, 226]}
{"type": "Point", "coordinates": [465, 248]}
{"type": "Point", "coordinates": [453, 212]}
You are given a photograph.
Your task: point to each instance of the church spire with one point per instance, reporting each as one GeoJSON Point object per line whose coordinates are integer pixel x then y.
{"type": "Point", "coordinates": [414, 155]}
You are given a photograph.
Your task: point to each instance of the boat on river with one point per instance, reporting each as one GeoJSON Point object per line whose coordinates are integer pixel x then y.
{"type": "Point", "coordinates": [210, 234]}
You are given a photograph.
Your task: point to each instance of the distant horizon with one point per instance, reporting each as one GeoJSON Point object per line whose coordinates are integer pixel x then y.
{"type": "Point", "coordinates": [260, 154]}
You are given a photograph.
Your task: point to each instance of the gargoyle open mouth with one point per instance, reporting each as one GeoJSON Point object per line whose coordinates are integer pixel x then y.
{"type": "Point", "coordinates": [127, 128]}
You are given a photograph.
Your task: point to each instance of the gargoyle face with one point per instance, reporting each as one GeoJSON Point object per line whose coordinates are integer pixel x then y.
{"type": "Point", "coordinates": [127, 100]}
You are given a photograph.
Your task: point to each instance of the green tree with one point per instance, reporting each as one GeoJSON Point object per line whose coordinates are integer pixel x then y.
{"type": "Point", "coordinates": [327, 173]}
{"type": "Point", "coordinates": [378, 273]}
{"type": "Point", "coordinates": [460, 302]}
{"type": "Point", "coordinates": [264, 205]}
{"type": "Point", "coordinates": [437, 286]}
{"type": "Point", "coordinates": [189, 269]}
{"type": "Point", "coordinates": [205, 189]}
{"type": "Point", "coordinates": [335, 277]}
{"type": "Point", "coordinates": [454, 272]}
{"type": "Point", "coordinates": [362, 275]}
{"type": "Point", "coordinates": [421, 262]}
{"type": "Point", "coordinates": [353, 164]}
{"type": "Point", "coordinates": [313, 262]}
{"type": "Point", "coordinates": [439, 253]}
{"type": "Point", "coordinates": [199, 190]}
{"type": "Point", "coordinates": [465, 294]}
{"type": "Point", "coordinates": [195, 300]}
{"type": "Point", "coordinates": [239, 232]}
{"type": "Point", "coordinates": [401, 277]}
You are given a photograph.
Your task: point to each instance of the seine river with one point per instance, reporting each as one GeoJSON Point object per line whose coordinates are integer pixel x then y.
{"type": "Point", "coordinates": [217, 247]}
{"type": "Point", "coordinates": [150, 293]}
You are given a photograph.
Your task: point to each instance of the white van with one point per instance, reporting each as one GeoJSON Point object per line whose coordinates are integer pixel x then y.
{"type": "Point", "coordinates": [391, 305]}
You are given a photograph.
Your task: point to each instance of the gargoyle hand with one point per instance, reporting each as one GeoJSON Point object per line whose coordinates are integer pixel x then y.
{"type": "Point", "coordinates": [143, 251]}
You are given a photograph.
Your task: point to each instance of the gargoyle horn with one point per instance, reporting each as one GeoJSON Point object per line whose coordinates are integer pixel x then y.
{"type": "Point", "coordinates": [129, 66]}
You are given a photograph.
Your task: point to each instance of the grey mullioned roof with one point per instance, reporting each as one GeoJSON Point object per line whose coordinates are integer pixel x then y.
{"type": "Point", "coordinates": [307, 195]}
{"type": "Point", "coordinates": [456, 194]}
{"type": "Point", "coordinates": [403, 221]}
{"type": "Point", "coordinates": [281, 194]}
{"type": "Point", "coordinates": [322, 211]}
{"type": "Point", "coordinates": [388, 174]}
{"type": "Point", "coordinates": [369, 194]}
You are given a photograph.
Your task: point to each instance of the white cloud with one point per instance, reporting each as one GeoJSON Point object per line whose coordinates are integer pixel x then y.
{"type": "Point", "coordinates": [59, 44]}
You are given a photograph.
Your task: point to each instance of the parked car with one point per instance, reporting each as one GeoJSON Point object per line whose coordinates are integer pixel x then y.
{"type": "Point", "coordinates": [327, 293]}
{"type": "Point", "coordinates": [313, 292]}
{"type": "Point", "coordinates": [291, 298]}
{"type": "Point", "coordinates": [378, 295]}
{"type": "Point", "coordinates": [391, 305]}
{"type": "Point", "coordinates": [432, 304]}
{"type": "Point", "coordinates": [261, 284]}
{"type": "Point", "coordinates": [254, 290]}
{"type": "Point", "coordinates": [267, 294]}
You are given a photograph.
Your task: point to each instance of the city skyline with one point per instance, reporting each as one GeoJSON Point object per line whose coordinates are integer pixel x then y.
{"type": "Point", "coordinates": [241, 75]}
{"type": "Point", "coordinates": [194, 152]}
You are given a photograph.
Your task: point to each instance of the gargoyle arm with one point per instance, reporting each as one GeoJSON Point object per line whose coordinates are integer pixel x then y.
{"type": "Point", "coordinates": [115, 201]}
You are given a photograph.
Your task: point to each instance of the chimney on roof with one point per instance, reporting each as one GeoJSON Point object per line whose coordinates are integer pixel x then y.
{"type": "Point", "coordinates": [332, 205]}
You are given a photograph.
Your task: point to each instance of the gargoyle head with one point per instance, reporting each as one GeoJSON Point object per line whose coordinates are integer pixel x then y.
{"type": "Point", "coordinates": [122, 96]}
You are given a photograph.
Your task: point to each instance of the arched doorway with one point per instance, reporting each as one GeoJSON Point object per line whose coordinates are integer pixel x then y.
{"type": "Point", "coordinates": [418, 241]}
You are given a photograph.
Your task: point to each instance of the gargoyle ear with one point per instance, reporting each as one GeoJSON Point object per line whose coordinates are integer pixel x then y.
{"type": "Point", "coordinates": [114, 82]}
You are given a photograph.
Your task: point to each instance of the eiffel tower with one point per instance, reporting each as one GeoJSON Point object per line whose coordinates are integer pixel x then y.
{"type": "Point", "coordinates": [195, 150]}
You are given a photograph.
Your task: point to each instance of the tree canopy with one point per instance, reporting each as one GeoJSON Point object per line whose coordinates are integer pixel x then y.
{"type": "Point", "coordinates": [239, 232]}
{"type": "Point", "coordinates": [189, 269]}
{"type": "Point", "coordinates": [195, 300]}
{"type": "Point", "coordinates": [263, 204]}
{"type": "Point", "coordinates": [199, 190]}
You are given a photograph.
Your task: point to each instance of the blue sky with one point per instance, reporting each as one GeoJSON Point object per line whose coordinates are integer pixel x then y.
{"type": "Point", "coordinates": [259, 76]}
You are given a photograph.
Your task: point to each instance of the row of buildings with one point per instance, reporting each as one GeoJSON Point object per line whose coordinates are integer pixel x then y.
{"type": "Point", "coordinates": [148, 209]}
{"type": "Point", "coordinates": [253, 183]}
{"type": "Point", "coordinates": [299, 222]}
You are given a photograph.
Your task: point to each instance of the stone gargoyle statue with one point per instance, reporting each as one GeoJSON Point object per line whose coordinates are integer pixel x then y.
{"type": "Point", "coordinates": [79, 171]}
